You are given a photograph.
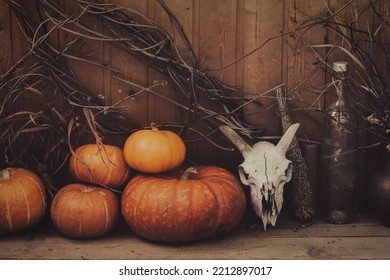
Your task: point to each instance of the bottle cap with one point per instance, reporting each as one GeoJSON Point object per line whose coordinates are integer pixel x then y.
{"type": "Point", "coordinates": [340, 66]}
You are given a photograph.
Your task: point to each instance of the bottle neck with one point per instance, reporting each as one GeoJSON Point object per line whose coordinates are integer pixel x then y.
{"type": "Point", "coordinates": [340, 88]}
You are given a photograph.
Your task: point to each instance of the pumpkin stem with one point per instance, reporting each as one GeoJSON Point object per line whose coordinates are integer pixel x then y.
{"type": "Point", "coordinates": [154, 127]}
{"type": "Point", "coordinates": [188, 173]}
{"type": "Point", "coordinates": [86, 189]}
{"type": "Point", "coordinates": [6, 174]}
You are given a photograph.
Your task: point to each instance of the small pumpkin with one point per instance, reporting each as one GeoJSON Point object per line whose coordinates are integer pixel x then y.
{"type": "Point", "coordinates": [84, 211]}
{"type": "Point", "coordinates": [22, 199]}
{"type": "Point", "coordinates": [154, 150]}
{"type": "Point", "coordinates": [101, 165]}
{"type": "Point", "coordinates": [206, 201]}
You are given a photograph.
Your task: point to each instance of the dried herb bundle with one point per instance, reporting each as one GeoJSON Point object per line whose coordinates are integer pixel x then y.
{"type": "Point", "coordinates": [302, 192]}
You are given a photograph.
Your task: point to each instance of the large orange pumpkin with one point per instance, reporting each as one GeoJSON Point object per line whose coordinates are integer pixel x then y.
{"type": "Point", "coordinates": [22, 199]}
{"type": "Point", "coordinates": [205, 202]}
{"type": "Point", "coordinates": [84, 211]}
{"type": "Point", "coordinates": [154, 151]}
{"type": "Point", "coordinates": [101, 165]}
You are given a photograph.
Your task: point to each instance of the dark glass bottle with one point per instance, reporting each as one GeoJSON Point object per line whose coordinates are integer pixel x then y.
{"type": "Point", "coordinates": [339, 154]}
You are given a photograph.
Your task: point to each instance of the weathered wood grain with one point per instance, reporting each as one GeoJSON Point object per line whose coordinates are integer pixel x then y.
{"type": "Point", "coordinates": [303, 79]}
{"type": "Point", "coordinates": [215, 44]}
{"type": "Point", "coordinates": [221, 32]}
{"type": "Point", "coordinates": [364, 239]}
{"type": "Point", "coordinates": [260, 25]}
{"type": "Point", "coordinates": [5, 39]}
{"type": "Point", "coordinates": [130, 99]}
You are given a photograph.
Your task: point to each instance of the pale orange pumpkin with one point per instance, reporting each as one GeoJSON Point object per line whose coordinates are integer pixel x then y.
{"type": "Point", "coordinates": [205, 202]}
{"type": "Point", "coordinates": [22, 199]}
{"type": "Point", "coordinates": [154, 151]}
{"type": "Point", "coordinates": [84, 211]}
{"type": "Point", "coordinates": [101, 165]}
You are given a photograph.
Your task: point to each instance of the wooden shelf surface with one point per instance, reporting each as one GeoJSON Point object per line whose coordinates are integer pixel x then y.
{"type": "Point", "coordinates": [365, 238]}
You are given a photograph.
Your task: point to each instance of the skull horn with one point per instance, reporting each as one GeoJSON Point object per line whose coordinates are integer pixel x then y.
{"type": "Point", "coordinates": [286, 139]}
{"type": "Point", "coordinates": [240, 144]}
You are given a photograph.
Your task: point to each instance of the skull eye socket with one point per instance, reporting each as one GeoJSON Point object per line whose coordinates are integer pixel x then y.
{"type": "Point", "coordinates": [288, 169]}
{"type": "Point", "coordinates": [246, 175]}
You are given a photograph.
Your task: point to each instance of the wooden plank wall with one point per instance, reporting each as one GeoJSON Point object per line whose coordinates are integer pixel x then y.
{"type": "Point", "coordinates": [221, 32]}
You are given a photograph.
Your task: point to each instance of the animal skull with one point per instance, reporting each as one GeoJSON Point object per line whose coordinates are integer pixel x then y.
{"type": "Point", "coordinates": [265, 170]}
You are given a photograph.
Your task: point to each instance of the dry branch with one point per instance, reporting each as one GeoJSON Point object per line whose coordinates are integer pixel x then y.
{"type": "Point", "coordinates": [68, 112]}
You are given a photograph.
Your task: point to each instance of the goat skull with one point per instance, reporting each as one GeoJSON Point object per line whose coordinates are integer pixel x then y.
{"type": "Point", "coordinates": [265, 170]}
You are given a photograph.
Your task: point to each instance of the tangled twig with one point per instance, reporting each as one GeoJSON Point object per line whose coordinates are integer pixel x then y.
{"type": "Point", "coordinates": [69, 112]}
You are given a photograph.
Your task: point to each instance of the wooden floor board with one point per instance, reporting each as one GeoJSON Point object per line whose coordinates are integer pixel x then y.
{"type": "Point", "coordinates": [366, 238]}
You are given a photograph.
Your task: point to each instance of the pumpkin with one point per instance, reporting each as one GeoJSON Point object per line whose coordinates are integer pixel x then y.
{"type": "Point", "coordinates": [101, 165]}
{"type": "Point", "coordinates": [154, 150]}
{"type": "Point", "coordinates": [206, 201]}
{"type": "Point", "coordinates": [84, 211]}
{"type": "Point", "coordinates": [22, 199]}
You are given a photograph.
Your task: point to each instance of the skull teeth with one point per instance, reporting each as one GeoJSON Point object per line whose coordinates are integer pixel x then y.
{"type": "Point", "coordinates": [269, 207]}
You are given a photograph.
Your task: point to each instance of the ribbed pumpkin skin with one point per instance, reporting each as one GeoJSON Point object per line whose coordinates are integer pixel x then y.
{"type": "Point", "coordinates": [154, 151]}
{"type": "Point", "coordinates": [101, 165]}
{"type": "Point", "coordinates": [22, 200]}
{"type": "Point", "coordinates": [208, 204]}
{"type": "Point", "coordinates": [84, 211]}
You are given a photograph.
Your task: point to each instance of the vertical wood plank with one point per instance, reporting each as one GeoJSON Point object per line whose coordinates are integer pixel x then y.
{"type": "Point", "coordinates": [5, 38]}
{"type": "Point", "coordinates": [161, 111]}
{"type": "Point", "coordinates": [5, 59]}
{"type": "Point", "coordinates": [218, 38]}
{"type": "Point", "coordinates": [130, 99]}
{"type": "Point", "coordinates": [261, 71]}
{"type": "Point", "coordinates": [303, 78]}
{"type": "Point", "coordinates": [89, 75]}
{"type": "Point", "coordinates": [193, 146]}
{"type": "Point", "coordinates": [185, 12]}
{"type": "Point", "coordinates": [215, 45]}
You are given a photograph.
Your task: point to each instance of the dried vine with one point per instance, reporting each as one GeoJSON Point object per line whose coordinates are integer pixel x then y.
{"type": "Point", "coordinates": [68, 111]}
{"type": "Point", "coordinates": [367, 48]}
